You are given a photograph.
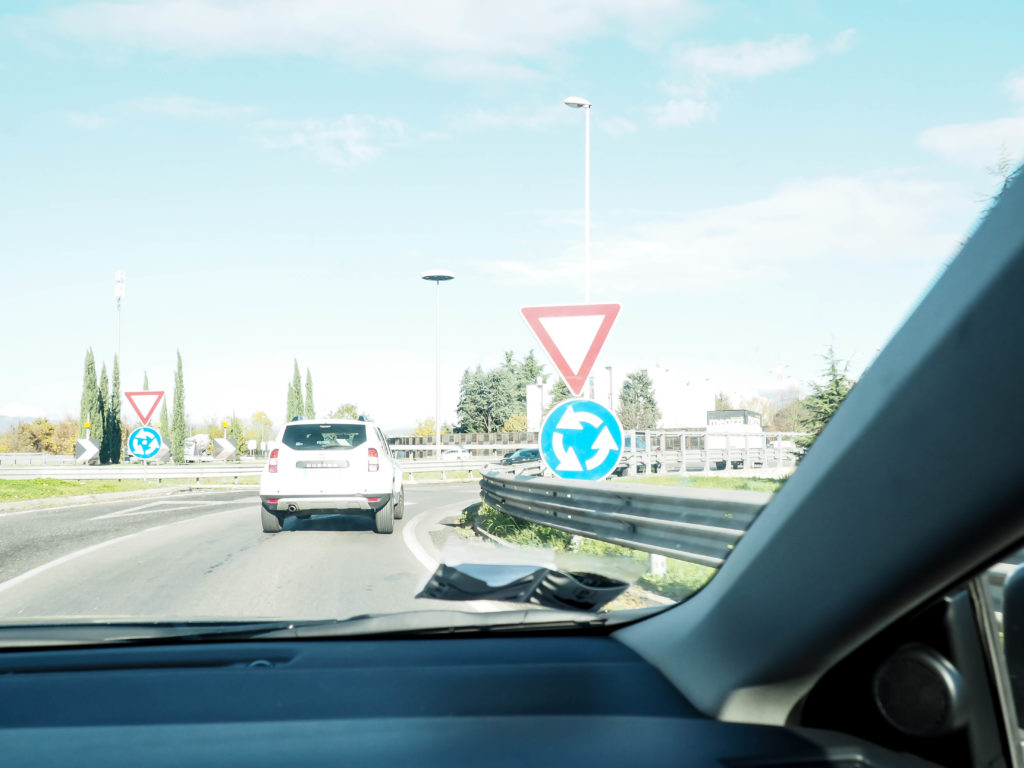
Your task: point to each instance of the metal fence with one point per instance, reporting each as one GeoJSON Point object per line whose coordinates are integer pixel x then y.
{"type": "Point", "coordinates": [698, 526]}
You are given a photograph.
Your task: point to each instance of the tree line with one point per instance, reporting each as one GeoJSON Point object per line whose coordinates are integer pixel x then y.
{"type": "Point", "coordinates": [495, 400]}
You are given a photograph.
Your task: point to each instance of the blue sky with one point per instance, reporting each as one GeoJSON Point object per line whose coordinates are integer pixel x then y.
{"type": "Point", "coordinates": [767, 178]}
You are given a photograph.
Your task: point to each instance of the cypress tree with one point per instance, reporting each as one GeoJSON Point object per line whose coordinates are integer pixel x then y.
{"type": "Point", "coordinates": [113, 426]}
{"type": "Point", "coordinates": [178, 427]}
{"type": "Point", "coordinates": [295, 407]}
{"type": "Point", "coordinates": [165, 425]}
{"type": "Point", "coordinates": [88, 393]}
{"type": "Point", "coordinates": [310, 411]}
{"type": "Point", "coordinates": [99, 419]}
{"type": "Point", "coordinates": [145, 381]}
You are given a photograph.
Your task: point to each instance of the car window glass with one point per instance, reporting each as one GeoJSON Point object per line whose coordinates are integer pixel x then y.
{"type": "Point", "coordinates": [314, 437]}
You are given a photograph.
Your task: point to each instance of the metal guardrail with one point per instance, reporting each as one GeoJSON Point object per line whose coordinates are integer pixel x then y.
{"type": "Point", "coordinates": [698, 526]}
{"type": "Point", "coordinates": [199, 470]}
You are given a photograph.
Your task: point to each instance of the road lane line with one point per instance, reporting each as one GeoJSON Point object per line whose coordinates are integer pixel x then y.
{"type": "Point", "coordinates": [29, 510]}
{"type": "Point", "coordinates": [417, 550]}
{"type": "Point", "coordinates": [420, 553]}
{"type": "Point", "coordinates": [4, 586]}
{"type": "Point", "coordinates": [155, 506]}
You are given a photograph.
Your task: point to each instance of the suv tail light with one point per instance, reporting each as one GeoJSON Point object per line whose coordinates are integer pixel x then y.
{"type": "Point", "coordinates": [272, 464]}
{"type": "Point", "coordinates": [373, 462]}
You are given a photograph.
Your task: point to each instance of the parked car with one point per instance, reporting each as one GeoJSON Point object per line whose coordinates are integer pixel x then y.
{"type": "Point", "coordinates": [456, 454]}
{"type": "Point", "coordinates": [521, 456]}
{"type": "Point", "coordinates": [334, 465]}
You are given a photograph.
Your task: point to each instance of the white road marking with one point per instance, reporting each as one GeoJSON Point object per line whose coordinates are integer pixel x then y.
{"type": "Point", "coordinates": [428, 562]}
{"type": "Point", "coordinates": [417, 550]}
{"type": "Point", "coordinates": [30, 510]}
{"type": "Point", "coordinates": [102, 545]}
{"type": "Point", "coordinates": [156, 506]}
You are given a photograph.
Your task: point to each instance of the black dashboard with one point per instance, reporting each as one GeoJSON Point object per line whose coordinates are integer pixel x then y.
{"type": "Point", "coordinates": [561, 700]}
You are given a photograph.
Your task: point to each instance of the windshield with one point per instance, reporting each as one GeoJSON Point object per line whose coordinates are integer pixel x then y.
{"type": "Point", "coordinates": [623, 261]}
{"type": "Point", "coordinates": [312, 437]}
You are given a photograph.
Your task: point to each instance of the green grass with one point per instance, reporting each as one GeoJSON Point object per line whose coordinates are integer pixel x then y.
{"type": "Point", "coordinates": [680, 581]}
{"type": "Point", "coordinates": [763, 484]}
{"type": "Point", "coordinates": [43, 488]}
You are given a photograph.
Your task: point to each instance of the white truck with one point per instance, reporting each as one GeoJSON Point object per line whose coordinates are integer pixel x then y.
{"type": "Point", "coordinates": [196, 447]}
{"type": "Point", "coordinates": [735, 438]}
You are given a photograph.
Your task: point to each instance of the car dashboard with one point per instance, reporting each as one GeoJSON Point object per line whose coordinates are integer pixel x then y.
{"type": "Point", "coordinates": [480, 701]}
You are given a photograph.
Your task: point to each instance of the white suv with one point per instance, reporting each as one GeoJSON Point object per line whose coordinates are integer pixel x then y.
{"type": "Point", "coordinates": [331, 465]}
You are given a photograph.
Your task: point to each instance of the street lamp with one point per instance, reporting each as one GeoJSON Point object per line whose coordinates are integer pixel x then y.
{"type": "Point", "coordinates": [575, 102]}
{"type": "Point", "coordinates": [437, 276]}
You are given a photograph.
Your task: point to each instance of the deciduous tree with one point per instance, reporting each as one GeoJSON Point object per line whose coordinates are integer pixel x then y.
{"type": "Point", "coordinates": [344, 411]}
{"type": "Point", "coordinates": [638, 407]}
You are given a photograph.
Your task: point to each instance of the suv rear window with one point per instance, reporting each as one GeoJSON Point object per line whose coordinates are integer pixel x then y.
{"type": "Point", "coordinates": [318, 437]}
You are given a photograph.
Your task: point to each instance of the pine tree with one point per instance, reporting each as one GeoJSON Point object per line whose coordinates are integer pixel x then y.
{"type": "Point", "coordinates": [638, 408]}
{"type": "Point", "coordinates": [89, 389]}
{"type": "Point", "coordinates": [99, 422]}
{"type": "Point", "coordinates": [178, 427]}
{"type": "Point", "coordinates": [825, 398]}
{"type": "Point", "coordinates": [559, 391]}
{"type": "Point", "coordinates": [309, 410]}
{"type": "Point", "coordinates": [113, 426]}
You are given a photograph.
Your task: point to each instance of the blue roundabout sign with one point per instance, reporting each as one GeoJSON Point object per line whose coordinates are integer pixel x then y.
{"type": "Point", "coordinates": [144, 443]}
{"type": "Point", "coordinates": [581, 440]}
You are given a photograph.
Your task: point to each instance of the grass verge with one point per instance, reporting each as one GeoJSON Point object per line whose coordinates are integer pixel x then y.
{"type": "Point", "coordinates": [680, 581]}
{"type": "Point", "coordinates": [763, 484]}
{"type": "Point", "coordinates": [43, 488]}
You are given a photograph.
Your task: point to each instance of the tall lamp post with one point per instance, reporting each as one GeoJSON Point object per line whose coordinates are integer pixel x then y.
{"type": "Point", "coordinates": [575, 102]}
{"type": "Point", "coordinates": [437, 277]}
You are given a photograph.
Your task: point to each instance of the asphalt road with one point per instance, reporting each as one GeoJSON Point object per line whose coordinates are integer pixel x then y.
{"type": "Point", "coordinates": [204, 555]}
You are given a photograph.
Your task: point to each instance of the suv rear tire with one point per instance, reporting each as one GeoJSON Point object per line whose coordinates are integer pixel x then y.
{"type": "Point", "coordinates": [271, 521]}
{"type": "Point", "coordinates": [400, 507]}
{"type": "Point", "coordinates": [384, 518]}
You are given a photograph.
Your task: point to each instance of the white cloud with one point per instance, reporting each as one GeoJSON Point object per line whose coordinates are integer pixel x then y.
{"type": "Point", "coordinates": [806, 225]}
{"type": "Point", "coordinates": [615, 126]}
{"type": "Point", "coordinates": [1015, 87]}
{"type": "Point", "coordinates": [344, 141]}
{"type": "Point", "coordinates": [700, 67]}
{"type": "Point", "coordinates": [87, 121]}
{"type": "Point", "coordinates": [978, 145]}
{"type": "Point", "coordinates": [758, 58]}
{"type": "Point", "coordinates": [450, 33]}
{"type": "Point", "coordinates": [529, 121]}
{"type": "Point", "coordinates": [685, 111]}
{"type": "Point", "coordinates": [748, 58]}
{"type": "Point", "coordinates": [185, 107]}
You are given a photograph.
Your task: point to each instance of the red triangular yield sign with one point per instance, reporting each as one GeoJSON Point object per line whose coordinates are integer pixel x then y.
{"type": "Point", "coordinates": [572, 335]}
{"type": "Point", "coordinates": [140, 401]}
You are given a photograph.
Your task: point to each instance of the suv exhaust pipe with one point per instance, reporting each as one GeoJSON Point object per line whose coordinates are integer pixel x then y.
{"type": "Point", "coordinates": [291, 507]}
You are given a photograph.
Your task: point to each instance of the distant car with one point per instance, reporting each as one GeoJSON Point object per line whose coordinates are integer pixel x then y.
{"type": "Point", "coordinates": [522, 455]}
{"type": "Point", "coordinates": [327, 466]}
{"type": "Point", "coordinates": [456, 454]}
